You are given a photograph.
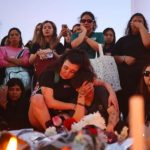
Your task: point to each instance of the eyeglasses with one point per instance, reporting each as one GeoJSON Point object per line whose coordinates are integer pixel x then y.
{"type": "Point", "coordinates": [146, 73]}
{"type": "Point", "coordinates": [86, 20]}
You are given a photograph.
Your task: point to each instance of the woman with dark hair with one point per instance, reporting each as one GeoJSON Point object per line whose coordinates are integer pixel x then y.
{"type": "Point", "coordinates": [87, 39]}
{"type": "Point", "coordinates": [16, 109]}
{"type": "Point", "coordinates": [14, 54]}
{"type": "Point", "coordinates": [109, 40]}
{"type": "Point", "coordinates": [15, 45]}
{"type": "Point", "coordinates": [131, 53]}
{"type": "Point", "coordinates": [144, 90]}
{"type": "Point", "coordinates": [56, 92]}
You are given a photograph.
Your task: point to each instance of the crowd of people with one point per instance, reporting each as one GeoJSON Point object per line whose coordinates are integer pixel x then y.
{"type": "Point", "coordinates": [69, 85]}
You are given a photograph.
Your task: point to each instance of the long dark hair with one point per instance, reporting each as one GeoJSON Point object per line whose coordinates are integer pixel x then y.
{"type": "Point", "coordinates": [17, 29]}
{"type": "Point", "coordinates": [143, 90]}
{"type": "Point", "coordinates": [15, 81]}
{"type": "Point", "coordinates": [128, 29]}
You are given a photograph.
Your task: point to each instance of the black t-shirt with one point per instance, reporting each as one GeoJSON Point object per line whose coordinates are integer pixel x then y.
{"type": "Point", "coordinates": [59, 48]}
{"type": "Point", "coordinates": [100, 102]}
{"type": "Point", "coordinates": [17, 112]}
{"type": "Point", "coordinates": [63, 89]}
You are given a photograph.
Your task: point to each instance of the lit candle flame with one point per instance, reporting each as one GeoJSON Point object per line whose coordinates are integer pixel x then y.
{"type": "Point", "coordinates": [12, 144]}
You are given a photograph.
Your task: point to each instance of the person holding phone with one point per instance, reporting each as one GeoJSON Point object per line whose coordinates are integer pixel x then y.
{"type": "Point", "coordinates": [48, 42]}
{"type": "Point", "coordinates": [66, 33]}
{"type": "Point", "coordinates": [48, 46]}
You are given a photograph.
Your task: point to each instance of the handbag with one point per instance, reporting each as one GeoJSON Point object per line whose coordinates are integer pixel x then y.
{"type": "Point", "coordinates": [40, 65]}
{"type": "Point", "coordinates": [106, 69]}
{"type": "Point", "coordinates": [18, 72]}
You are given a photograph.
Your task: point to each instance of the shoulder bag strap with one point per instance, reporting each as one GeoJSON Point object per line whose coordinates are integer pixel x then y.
{"type": "Point", "coordinates": [20, 53]}
{"type": "Point", "coordinates": [100, 50]}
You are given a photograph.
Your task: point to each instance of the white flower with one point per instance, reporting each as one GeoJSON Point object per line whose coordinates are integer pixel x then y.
{"type": "Point", "coordinates": [50, 131]}
{"type": "Point", "coordinates": [91, 119]}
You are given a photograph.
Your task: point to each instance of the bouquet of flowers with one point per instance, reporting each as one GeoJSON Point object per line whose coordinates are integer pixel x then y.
{"type": "Point", "coordinates": [91, 119]}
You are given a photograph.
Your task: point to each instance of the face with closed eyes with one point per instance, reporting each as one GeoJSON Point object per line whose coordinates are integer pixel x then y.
{"type": "Point", "coordinates": [68, 70]}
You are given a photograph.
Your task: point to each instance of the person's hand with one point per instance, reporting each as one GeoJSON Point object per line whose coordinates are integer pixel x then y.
{"type": "Point", "coordinates": [110, 128]}
{"type": "Point", "coordinates": [42, 53]}
{"type": "Point", "coordinates": [129, 60]}
{"type": "Point", "coordinates": [83, 29]}
{"type": "Point", "coordinates": [86, 88]}
{"type": "Point", "coordinates": [112, 100]}
{"type": "Point", "coordinates": [12, 61]}
{"type": "Point", "coordinates": [137, 25]}
{"type": "Point", "coordinates": [64, 32]}
{"type": "Point", "coordinates": [119, 59]}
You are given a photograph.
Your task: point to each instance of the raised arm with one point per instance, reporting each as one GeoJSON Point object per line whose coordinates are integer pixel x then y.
{"type": "Point", "coordinates": [93, 44]}
{"type": "Point", "coordinates": [145, 36]}
{"type": "Point", "coordinates": [80, 39]}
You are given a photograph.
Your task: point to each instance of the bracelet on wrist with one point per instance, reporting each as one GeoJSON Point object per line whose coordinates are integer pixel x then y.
{"type": "Point", "coordinates": [123, 59]}
{"type": "Point", "coordinates": [80, 104]}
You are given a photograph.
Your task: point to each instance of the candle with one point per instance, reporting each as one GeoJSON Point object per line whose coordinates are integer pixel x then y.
{"type": "Point", "coordinates": [12, 144]}
{"type": "Point", "coordinates": [136, 121]}
{"type": "Point", "coordinates": [9, 141]}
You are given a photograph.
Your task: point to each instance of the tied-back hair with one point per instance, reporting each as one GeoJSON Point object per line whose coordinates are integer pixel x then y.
{"type": "Point", "coordinates": [53, 41]}
{"type": "Point", "coordinates": [17, 29]}
{"type": "Point", "coordinates": [128, 30]}
{"type": "Point", "coordinates": [15, 81]}
{"type": "Point", "coordinates": [92, 16]}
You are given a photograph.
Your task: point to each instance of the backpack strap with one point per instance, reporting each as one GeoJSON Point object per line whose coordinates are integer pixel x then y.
{"type": "Point", "coordinates": [20, 53]}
